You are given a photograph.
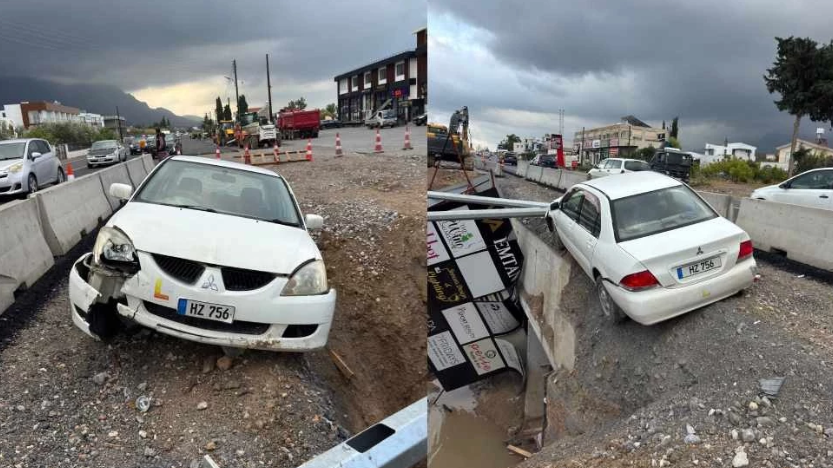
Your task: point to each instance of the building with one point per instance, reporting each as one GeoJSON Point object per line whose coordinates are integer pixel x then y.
{"type": "Point", "coordinates": [93, 120]}
{"type": "Point", "coordinates": [737, 150]}
{"type": "Point", "coordinates": [616, 140]}
{"type": "Point", "coordinates": [114, 122]}
{"type": "Point", "coordinates": [783, 152]}
{"type": "Point", "coordinates": [28, 114]}
{"type": "Point", "coordinates": [398, 82]}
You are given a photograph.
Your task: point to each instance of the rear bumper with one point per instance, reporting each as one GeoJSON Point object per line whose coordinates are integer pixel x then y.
{"type": "Point", "coordinates": [659, 304]}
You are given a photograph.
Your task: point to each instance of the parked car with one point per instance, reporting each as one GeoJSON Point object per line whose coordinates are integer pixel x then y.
{"type": "Point", "coordinates": [26, 165]}
{"type": "Point", "coordinates": [106, 152]}
{"type": "Point", "coordinates": [330, 123]}
{"type": "Point", "coordinates": [617, 166]}
{"type": "Point", "coordinates": [544, 160]}
{"type": "Point", "coordinates": [266, 290]}
{"type": "Point", "coordinates": [381, 119]}
{"type": "Point", "coordinates": [813, 188]}
{"type": "Point", "coordinates": [510, 159]}
{"type": "Point", "coordinates": [654, 248]}
{"type": "Point", "coordinates": [421, 119]}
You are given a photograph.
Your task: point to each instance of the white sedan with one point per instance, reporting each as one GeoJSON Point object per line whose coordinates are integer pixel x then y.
{"type": "Point", "coordinates": [654, 248]}
{"type": "Point", "coordinates": [210, 251]}
{"type": "Point", "coordinates": [813, 188]}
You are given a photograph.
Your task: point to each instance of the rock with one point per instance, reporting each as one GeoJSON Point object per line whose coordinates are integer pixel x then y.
{"type": "Point", "coordinates": [691, 439]}
{"type": "Point", "coordinates": [210, 446]}
{"type": "Point", "coordinates": [143, 434]}
{"type": "Point", "coordinates": [101, 378]}
{"type": "Point", "coordinates": [747, 435]}
{"type": "Point", "coordinates": [149, 452]}
{"type": "Point", "coordinates": [224, 363]}
{"type": "Point", "coordinates": [734, 418]}
{"type": "Point", "coordinates": [753, 406]}
{"type": "Point", "coordinates": [765, 421]}
{"type": "Point", "coordinates": [208, 364]}
{"type": "Point", "coordinates": [202, 405]}
{"type": "Point", "coordinates": [740, 459]}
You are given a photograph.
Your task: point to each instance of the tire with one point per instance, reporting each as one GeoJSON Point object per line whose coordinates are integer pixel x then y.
{"type": "Point", "coordinates": [61, 176]}
{"type": "Point", "coordinates": [610, 311]}
{"type": "Point", "coordinates": [32, 183]}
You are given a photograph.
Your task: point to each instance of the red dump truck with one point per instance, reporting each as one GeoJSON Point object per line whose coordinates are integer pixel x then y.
{"type": "Point", "coordinates": [295, 124]}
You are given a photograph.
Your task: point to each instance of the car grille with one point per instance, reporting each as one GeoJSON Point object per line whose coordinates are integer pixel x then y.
{"type": "Point", "coordinates": [238, 326]}
{"type": "Point", "coordinates": [236, 279]}
{"type": "Point", "coordinates": [186, 271]}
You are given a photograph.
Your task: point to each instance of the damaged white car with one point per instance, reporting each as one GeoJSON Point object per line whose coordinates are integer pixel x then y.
{"type": "Point", "coordinates": [210, 251]}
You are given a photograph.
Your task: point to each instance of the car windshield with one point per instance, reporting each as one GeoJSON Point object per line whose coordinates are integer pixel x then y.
{"type": "Point", "coordinates": [223, 190]}
{"type": "Point", "coordinates": [12, 150]}
{"type": "Point", "coordinates": [637, 166]}
{"type": "Point", "coordinates": [659, 211]}
{"type": "Point", "coordinates": [105, 144]}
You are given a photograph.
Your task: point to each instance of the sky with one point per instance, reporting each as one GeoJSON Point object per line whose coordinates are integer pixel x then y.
{"type": "Point", "coordinates": [515, 64]}
{"type": "Point", "coordinates": [177, 57]}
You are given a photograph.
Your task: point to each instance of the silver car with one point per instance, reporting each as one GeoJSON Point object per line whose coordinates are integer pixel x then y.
{"type": "Point", "coordinates": [106, 152]}
{"type": "Point", "coordinates": [27, 164]}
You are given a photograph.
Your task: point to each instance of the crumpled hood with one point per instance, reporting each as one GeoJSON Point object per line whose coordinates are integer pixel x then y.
{"type": "Point", "coordinates": [216, 239]}
{"type": "Point", "coordinates": [6, 163]}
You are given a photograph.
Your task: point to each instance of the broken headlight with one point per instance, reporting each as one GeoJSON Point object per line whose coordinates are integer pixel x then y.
{"type": "Point", "coordinates": [309, 280]}
{"type": "Point", "coordinates": [113, 248]}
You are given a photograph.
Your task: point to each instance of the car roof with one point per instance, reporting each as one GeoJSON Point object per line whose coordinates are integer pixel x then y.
{"type": "Point", "coordinates": [224, 163]}
{"type": "Point", "coordinates": [632, 183]}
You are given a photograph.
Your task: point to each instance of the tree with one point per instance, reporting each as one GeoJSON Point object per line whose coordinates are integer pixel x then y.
{"type": "Point", "coordinates": [242, 106]}
{"type": "Point", "coordinates": [674, 129]}
{"type": "Point", "coordinates": [799, 68]}
{"type": "Point", "coordinates": [226, 112]}
{"type": "Point", "coordinates": [218, 109]}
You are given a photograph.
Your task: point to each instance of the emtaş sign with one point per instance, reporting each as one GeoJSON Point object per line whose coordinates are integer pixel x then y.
{"type": "Point", "coordinates": [472, 270]}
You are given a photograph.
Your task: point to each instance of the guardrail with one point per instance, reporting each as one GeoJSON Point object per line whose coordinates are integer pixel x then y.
{"type": "Point", "coordinates": [51, 222]}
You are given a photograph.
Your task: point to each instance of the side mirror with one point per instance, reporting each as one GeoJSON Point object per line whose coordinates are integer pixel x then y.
{"type": "Point", "coordinates": [36, 155]}
{"type": "Point", "coordinates": [313, 221]}
{"type": "Point", "coordinates": [121, 191]}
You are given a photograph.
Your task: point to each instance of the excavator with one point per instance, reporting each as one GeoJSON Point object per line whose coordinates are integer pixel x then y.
{"type": "Point", "coordinates": [451, 143]}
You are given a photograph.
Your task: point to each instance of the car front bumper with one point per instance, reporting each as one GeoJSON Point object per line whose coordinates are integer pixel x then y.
{"type": "Point", "coordinates": [13, 184]}
{"type": "Point", "coordinates": [659, 304]}
{"type": "Point", "coordinates": [263, 319]}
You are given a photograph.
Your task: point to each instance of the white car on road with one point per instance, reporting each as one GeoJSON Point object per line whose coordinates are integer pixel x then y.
{"type": "Point", "coordinates": [654, 248]}
{"type": "Point", "coordinates": [617, 166]}
{"type": "Point", "coordinates": [26, 165]}
{"type": "Point", "coordinates": [210, 251]}
{"type": "Point", "coordinates": [813, 188]}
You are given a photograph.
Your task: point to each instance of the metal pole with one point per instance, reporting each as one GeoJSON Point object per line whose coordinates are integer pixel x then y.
{"type": "Point", "coordinates": [489, 201]}
{"type": "Point", "coordinates": [498, 213]}
{"type": "Point", "coordinates": [236, 93]}
{"type": "Point", "coordinates": [118, 122]}
{"type": "Point", "coordinates": [269, 90]}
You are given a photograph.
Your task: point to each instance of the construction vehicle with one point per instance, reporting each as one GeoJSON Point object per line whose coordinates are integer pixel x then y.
{"type": "Point", "coordinates": [255, 131]}
{"type": "Point", "coordinates": [451, 143]}
{"type": "Point", "coordinates": [295, 124]}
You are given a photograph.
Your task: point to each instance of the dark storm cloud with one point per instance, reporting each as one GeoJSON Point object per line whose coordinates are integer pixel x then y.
{"type": "Point", "coordinates": [136, 44]}
{"type": "Point", "coordinates": [701, 60]}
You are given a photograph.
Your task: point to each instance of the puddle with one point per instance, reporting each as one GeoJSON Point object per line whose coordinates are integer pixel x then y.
{"type": "Point", "coordinates": [458, 436]}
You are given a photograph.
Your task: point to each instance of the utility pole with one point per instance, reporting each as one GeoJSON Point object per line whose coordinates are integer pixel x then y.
{"type": "Point", "coordinates": [236, 92]}
{"type": "Point", "coordinates": [269, 90]}
{"type": "Point", "coordinates": [118, 121]}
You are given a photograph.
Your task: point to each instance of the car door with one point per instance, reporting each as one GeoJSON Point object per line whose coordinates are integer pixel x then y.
{"type": "Point", "coordinates": [566, 218]}
{"type": "Point", "coordinates": [814, 189]}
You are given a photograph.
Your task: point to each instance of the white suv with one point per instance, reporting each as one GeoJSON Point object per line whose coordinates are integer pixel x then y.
{"type": "Point", "coordinates": [27, 164]}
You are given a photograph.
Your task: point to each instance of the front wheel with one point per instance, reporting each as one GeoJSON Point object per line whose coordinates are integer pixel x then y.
{"type": "Point", "coordinates": [611, 312]}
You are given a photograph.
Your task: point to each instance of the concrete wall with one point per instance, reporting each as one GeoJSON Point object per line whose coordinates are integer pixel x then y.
{"type": "Point", "coordinates": [71, 210]}
{"type": "Point", "coordinates": [112, 175]}
{"type": "Point", "coordinates": [543, 279]}
{"type": "Point", "coordinates": [24, 254]}
{"type": "Point", "coordinates": [805, 234]}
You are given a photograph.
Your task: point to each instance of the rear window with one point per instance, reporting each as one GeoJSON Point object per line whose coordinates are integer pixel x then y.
{"type": "Point", "coordinates": [637, 166]}
{"type": "Point", "coordinates": [659, 211]}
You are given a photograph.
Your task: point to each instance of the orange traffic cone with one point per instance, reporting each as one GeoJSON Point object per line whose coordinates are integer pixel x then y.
{"type": "Point", "coordinates": [277, 152]}
{"type": "Point", "coordinates": [339, 152]}
{"type": "Point", "coordinates": [217, 152]}
{"type": "Point", "coordinates": [309, 150]}
{"type": "Point", "coordinates": [378, 148]}
{"type": "Point", "coordinates": [407, 139]}
{"type": "Point", "coordinates": [70, 172]}
{"type": "Point", "coordinates": [247, 157]}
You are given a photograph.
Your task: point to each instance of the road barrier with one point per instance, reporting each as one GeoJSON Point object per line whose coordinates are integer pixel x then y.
{"type": "Point", "coordinates": [112, 175]}
{"type": "Point", "coordinates": [137, 170]}
{"type": "Point", "coordinates": [70, 211]}
{"type": "Point", "coordinates": [801, 233]}
{"type": "Point", "coordinates": [24, 253]}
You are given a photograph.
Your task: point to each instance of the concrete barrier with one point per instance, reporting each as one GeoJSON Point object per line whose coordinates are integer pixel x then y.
{"type": "Point", "coordinates": [136, 171]}
{"type": "Point", "coordinates": [112, 175]}
{"type": "Point", "coordinates": [71, 210]}
{"type": "Point", "coordinates": [551, 177]}
{"type": "Point", "coordinates": [24, 253]}
{"type": "Point", "coordinates": [149, 163]}
{"type": "Point", "coordinates": [804, 234]}
{"type": "Point", "coordinates": [570, 178]}
{"type": "Point", "coordinates": [543, 279]}
{"type": "Point", "coordinates": [534, 173]}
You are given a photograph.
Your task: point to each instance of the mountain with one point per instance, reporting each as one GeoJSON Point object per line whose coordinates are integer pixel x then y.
{"type": "Point", "coordinates": [95, 98]}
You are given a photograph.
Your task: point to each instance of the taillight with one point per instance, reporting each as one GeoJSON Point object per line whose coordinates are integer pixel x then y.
{"type": "Point", "coordinates": [745, 250]}
{"type": "Point", "coordinates": [639, 281]}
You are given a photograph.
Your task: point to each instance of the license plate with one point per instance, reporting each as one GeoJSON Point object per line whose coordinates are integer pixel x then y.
{"type": "Point", "coordinates": [697, 268]}
{"type": "Point", "coordinates": [204, 310]}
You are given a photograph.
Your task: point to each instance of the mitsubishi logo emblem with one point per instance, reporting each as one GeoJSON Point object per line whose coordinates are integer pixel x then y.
{"type": "Point", "coordinates": [209, 284]}
{"type": "Point", "coordinates": [699, 252]}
